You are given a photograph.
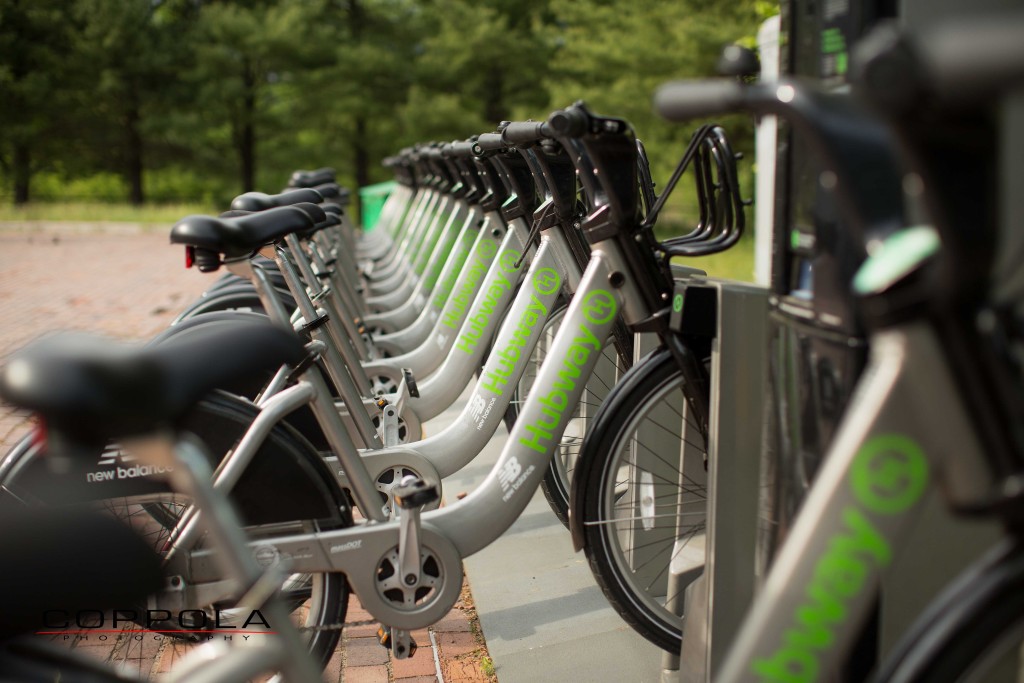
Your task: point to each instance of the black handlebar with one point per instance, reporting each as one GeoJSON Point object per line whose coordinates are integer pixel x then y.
{"type": "Point", "coordinates": [685, 100]}
{"type": "Point", "coordinates": [461, 149]}
{"type": "Point", "coordinates": [570, 122]}
{"type": "Point", "coordinates": [488, 142]}
{"type": "Point", "coordinates": [523, 132]}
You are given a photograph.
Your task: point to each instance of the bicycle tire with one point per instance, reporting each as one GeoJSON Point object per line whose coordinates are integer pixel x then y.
{"type": "Point", "coordinates": [286, 469]}
{"type": "Point", "coordinates": [303, 419]}
{"type": "Point", "coordinates": [617, 462]}
{"type": "Point", "coordinates": [558, 477]}
{"type": "Point", "coordinates": [27, 660]}
{"type": "Point", "coordinates": [241, 297]}
{"type": "Point", "coordinates": [974, 626]}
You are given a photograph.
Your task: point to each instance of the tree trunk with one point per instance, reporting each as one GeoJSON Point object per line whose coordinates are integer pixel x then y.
{"type": "Point", "coordinates": [247, 134]}
{"type": "Point", "coordinates": [360, 146]}
{"type": "Point", "coordinates": [134, 149]}
{"type": "Point", "coordinates": [362, 160]}
{"type": "Point", "coordinates": [495, 110]}
{"type": "Point", "coordinates": [22, 172]}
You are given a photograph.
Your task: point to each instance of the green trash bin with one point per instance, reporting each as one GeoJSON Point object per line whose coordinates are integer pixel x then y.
{"type": "Point", "coordinates": [371, 199]}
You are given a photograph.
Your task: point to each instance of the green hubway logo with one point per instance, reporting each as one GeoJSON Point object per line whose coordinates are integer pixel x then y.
{"type": "Point", "coordinates": [507, 261]}
{"type": "Point", "coordinates": [487, 249]}
{"type": "Point", "coordinates": [889, 474]}
{"type": "Point", "coordinates": [599, 307]}
{"type": "Point", "coordinates": [546, 281]}
{"type": "Point", "coordinates": [677, 303]}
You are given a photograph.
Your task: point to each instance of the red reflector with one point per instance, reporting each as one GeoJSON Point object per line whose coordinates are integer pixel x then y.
{"type": "Point", "coordinates": [39, 433]}
{"type": "Point", "coordinates": [190, 256]}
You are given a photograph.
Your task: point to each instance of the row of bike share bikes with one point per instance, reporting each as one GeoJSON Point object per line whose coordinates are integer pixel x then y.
{"type": "Point", "coordinates": [267, 452]}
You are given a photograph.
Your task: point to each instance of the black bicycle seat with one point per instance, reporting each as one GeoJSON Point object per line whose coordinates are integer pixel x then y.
{"type": "Point", "coordinates": [259, 201]}
{"type": "Point", "coordinates": [330, 190]}
{"type": "Point", "coordinates": [311, 178]}
{"type": "Point", "coordinates": [90, 389]}
{"type": "Point", "coordinates": [240, 236]}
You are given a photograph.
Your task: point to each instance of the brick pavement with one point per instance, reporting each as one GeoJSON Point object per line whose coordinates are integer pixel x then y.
{"type": "Point", "coordinates": [129, 284]}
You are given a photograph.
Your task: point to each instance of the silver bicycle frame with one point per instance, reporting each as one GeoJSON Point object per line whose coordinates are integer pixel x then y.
{"type": "Point", "coordinates": [456, 446]}
{"type": "Point", "coordinates": [466, 526]}
{"type": "Point", "coordinates": [463, 352]}
{"type": "Point", "coordinates": [396, 290]}
{"type": "Point", "coordinates": [477, 274]}
{"type": "Point", "coordinates": [406, 312]}
{"type": "Point", "coordinates": [888, 453]}
{"type": "Point", "coordinates": [190, 474]}
{"type": "Point", "coordinates": [409, 338]}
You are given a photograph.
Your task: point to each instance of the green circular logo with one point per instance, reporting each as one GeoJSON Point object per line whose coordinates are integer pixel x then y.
{"type": "Point", "coordinates": [889, 474]}
{"type": "Point", "coordinates": [487, 249]}
{"type": "Point", "coordinates": [546, 281]}
{"type": "Point", "coordinates": [507, 261]}
{"type": "Point", "coordinates": [599, 307]}
{"type": "Point", "coordinates": [677, 303]}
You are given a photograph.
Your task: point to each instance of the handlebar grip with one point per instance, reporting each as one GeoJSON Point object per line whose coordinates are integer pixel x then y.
{"type": "Point", "coordinates": [519, 132]}
{"type": "Point", "coordinates": [684, 100]}
{"type": "Point", "coordinates": [462, 149]}
{"type": "Point", "coordinates": [569, 122]}
{"type": "Point", "coordinates": [488, 142]}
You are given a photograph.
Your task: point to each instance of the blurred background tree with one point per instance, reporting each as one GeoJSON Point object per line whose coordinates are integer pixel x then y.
{"type": "Point", "coordinates": [198, 100]}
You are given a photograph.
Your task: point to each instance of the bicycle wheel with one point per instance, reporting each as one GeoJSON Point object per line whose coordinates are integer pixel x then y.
{"type": "Point", "coordinates": [973, 632]}
{"type": "Point", "coordinates": [302, 419]}
{"type": "Point", "coordinates": [287, 488]}
{"type": "Point", "coordinates": [639, 497]}
{"type": "Point", "coordinates": [556, 482]}
{"type": "Point", "coordinates": [240, 297]}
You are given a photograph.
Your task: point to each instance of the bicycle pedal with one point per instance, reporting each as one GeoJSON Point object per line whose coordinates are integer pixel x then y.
{"type": "Point", "coordinates": [415, 494]}
{"type": "Point", "coordinates": [399, 654]}
{"type": "Point", "coordinates": [410, 381]}
{"type": "Point", "coordinates": [385, 639]}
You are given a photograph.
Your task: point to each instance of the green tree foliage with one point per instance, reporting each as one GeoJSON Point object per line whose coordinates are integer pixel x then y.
{"type": "Point", "coordinates": [208, 98]}
{"type": "Point", "coordinates": [493, 55]}
{"type": "Point", "coordinates": [241, 52]}
{"type": "Point", "coordinates": [614, 55]}
{"type": "Point", "coordinates": [361, 78]}
{"type": "Point", "coordinates": [130, 53]}
{"type": "Point", "coordinates": [35, 64]}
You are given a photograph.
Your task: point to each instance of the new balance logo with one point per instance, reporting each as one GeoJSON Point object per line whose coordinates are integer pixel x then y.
{"type": "Point", "coordinates": [507, 475]}
{"type": "Point", "coordinates": [113, 454]}
{"type": "Point", "coordinates": [511, 476]}
{"type": "Point", "coordinates": [476, 406]}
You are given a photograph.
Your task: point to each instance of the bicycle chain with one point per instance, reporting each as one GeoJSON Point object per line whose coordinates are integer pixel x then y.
{"type": "Point", "coordinates": [339, 627]}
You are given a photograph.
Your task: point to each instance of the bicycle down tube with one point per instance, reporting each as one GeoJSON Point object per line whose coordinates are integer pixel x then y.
{"type": "Point", "coordinates": [457, 445]}
{"type": "Point", "coordinates": [887, 455]}
{"type": "Point", "coordinates": [467, 526]}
